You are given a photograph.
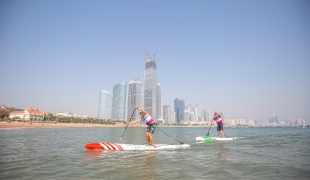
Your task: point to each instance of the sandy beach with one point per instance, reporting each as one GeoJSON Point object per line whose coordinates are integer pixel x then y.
{"type": "Point", "coordinates": [58, 125]}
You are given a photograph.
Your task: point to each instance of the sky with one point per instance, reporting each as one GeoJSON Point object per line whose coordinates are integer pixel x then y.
{"type": "Point", "coordinates": [243, 58]}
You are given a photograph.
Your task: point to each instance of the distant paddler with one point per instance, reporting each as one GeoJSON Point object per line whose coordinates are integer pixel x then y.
{"type": "Point", "coordinates": [151, 125]}
{"type": "Point", "coordinates": [217, 118]}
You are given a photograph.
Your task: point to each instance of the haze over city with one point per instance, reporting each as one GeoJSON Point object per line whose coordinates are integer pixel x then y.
{"type": "Point", "coordinates": [238, 57]}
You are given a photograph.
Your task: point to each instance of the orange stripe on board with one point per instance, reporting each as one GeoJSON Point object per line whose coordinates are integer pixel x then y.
{"type": "Point", "coordinates": [104, 146]}
{"type": "Point", "coordinates": [119, 147]}
{"type": "Point", "coordinates": [107, 146]}
{"type": "Point", "coordinates": [112, 145]}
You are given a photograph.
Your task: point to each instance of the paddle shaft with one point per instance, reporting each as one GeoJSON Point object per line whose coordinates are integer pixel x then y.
{"type": "Point", "coordinates": [128, 123]}
{"type": "Point", "coordinates": [168, 135]}
{"type": "Point", "coordinates": [209, 129]}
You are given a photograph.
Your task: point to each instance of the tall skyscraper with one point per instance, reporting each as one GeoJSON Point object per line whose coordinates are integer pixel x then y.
{"type": "Point", "coordinates": [177, 110]}
{"type": "Point", "coordinates": [189, 108]}
{"type": "Point", "coordinates": [167, 114]}
{"type": "Point", "coordinates": [119, 101]}
{"type": "Point", "coordinates": [182, 108]}
{"type": "Point", "coordinates": [173, 120]}
{"type": "Point", "coordinates": [186, 115]}
{"type": "Point", "coordinates": [196, 111]}
{"type": "Point", "coordinates": [158, 106]}
{"type": "Point", "coordinates": [209, 116]}
{"type": "Point", "coordinates": [179, 107]}
{"type": "Point", "coordinates": [105, 105]}
{"type": "Point", "coordinates": [204, 114]}
{"type": "Point", "coordinates": [150, 87]}
{"type": "Point", "coordinates": [134, 99]}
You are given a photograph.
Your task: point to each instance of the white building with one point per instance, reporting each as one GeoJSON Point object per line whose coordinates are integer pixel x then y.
{"type": "Point", "coordinates": [66, 114]}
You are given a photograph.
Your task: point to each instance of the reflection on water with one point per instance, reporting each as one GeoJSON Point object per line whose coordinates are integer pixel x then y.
{"type": "Point", "coordinates": [133, 164]}
{"type": "Point", "coordinates": [147, 166]}
{"type": "Point", "coordinates": [221, 151]}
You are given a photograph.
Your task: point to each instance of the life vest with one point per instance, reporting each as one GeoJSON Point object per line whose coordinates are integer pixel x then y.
{"type": "Point", "coordinates": [218, 120]}
{"type": "Point", "coordinates": [147, 120]}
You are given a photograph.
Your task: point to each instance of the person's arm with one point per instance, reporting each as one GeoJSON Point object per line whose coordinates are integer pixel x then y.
{"type": "Point", "coordinates": [144, 112]}
{"type": "Point", "coordinates": [136, 121]}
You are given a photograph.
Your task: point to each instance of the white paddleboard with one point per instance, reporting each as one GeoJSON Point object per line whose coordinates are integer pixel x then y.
{"type": "Point", "coordinates": [124, 147]}
{"type": "Point", "coordinates": [207, 138]}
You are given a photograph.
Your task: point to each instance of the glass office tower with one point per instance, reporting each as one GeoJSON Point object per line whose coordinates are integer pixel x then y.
{"type": "Point", "coordinates": [167, 114]}
{"type": "Point", "coordinates": [158, 101]}
{"type": "Point", "coordinates": [134, 99]}
{"type": "Point", "coordinates": [150, 87]}
{"type": "Point", "coordinates": [179, 107]}
{"type": "Point", "coordinates": [105, 105]}
{"type": "Point", "coordinates": [119, 101]}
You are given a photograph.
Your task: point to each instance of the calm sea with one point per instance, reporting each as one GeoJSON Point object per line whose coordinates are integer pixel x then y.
{"type": "Point", "coordinates": [59, 153]}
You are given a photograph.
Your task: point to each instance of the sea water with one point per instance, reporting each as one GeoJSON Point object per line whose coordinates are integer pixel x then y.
{"type": "Point", "coordinates": [59, 153]}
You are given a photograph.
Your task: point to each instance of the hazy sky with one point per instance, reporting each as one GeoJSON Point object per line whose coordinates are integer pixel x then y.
{"type": "Point", "coordinates": [240, 57]}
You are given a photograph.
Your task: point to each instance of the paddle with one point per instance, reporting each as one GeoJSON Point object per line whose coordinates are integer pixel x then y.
{"type": "Point", "coordinates": [128, 123]}
{"type": "Point", "coordinates": [209, 129]}
{"type": "Point", "coordinates": [168, 135]}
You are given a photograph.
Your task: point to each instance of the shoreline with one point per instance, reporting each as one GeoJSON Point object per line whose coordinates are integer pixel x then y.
{"type": "Point", "coordinates": [72, 125]}
{"type": "Point", "coordinates": [4, 125]}
{"type": "Point", "coordinates": [53, 125]}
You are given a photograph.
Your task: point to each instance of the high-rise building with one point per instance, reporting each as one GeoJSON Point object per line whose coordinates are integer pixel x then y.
{"type": "Point", "coordinates": [204, 114]}
{"type": "Point", "coordinates": [134, 99]}
{"type": "Point", "coordinates": [105, 105]}
{"type": "Point", "coordinates": [119, 101]}
{"type": "Point", "coordinates": [167, 114]}
{"type": "Point", "coordinates": [177, 110]}
{"type": "Point", "coordinates": [274, 119]}
{"type": "Point", "coordinates": [182, 108]}
{"type": "Point", "coordinates": [150, 88]}
{"type": "Point", "coordinates": [196, 111]}
{"type": "Point", "coordinates": [189, 108]}
{"type": "Point", "coordinates": [179, 107]}
{"type": "Point", "coordinates": [208, 116]}
{"type": "Point", "coordinates": [173, 120]}
{"type": "Point", "coordinates": [186, 115]}
{"type": "Point", "coordinates": [158, 101]}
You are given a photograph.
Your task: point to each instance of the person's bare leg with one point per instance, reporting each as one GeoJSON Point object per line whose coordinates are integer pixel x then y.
{"type": "Point", "coordinates": [151, 139]}
{"type": "Point", "coordinates": [218, 133]}
{"type": "Point", "coordinates": [223, 134]}
{"type": "Point", "coordinates": [147, 138]}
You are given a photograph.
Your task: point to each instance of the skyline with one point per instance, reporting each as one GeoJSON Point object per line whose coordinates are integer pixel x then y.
{"type": "Point", "coordinates": [241, 58]}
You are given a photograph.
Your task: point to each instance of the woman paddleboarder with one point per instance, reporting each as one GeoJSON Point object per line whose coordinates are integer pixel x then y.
{"type": "Point", "coordinates": [219, 121]}
{"type": "Point", "coordinates": [151, 125]}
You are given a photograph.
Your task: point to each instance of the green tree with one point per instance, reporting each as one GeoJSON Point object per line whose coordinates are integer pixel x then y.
{"type": "Point", "coordinates": [4, 113]}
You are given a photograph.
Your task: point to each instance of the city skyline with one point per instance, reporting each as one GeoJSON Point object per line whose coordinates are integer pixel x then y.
{"type": "Point", "coordinates": [238, 57]}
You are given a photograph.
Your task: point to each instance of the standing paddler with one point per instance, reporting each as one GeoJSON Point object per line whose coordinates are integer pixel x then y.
{"type": "Point", "coordinates": [217, 118]}
{"type": "Point", "coordinates": [151, 125]}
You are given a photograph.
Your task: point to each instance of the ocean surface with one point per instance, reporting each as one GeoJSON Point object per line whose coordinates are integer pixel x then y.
{"type": "Point", "coordinates": [59, 153]}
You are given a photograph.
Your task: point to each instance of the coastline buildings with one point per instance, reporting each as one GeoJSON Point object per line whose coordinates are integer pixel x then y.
{"type": "Point", "coordinates": [29, 114]}
{"type": "Point", "coordinates": [134, 99]}
{"type": "Point", "coordinates": [147, 95]}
